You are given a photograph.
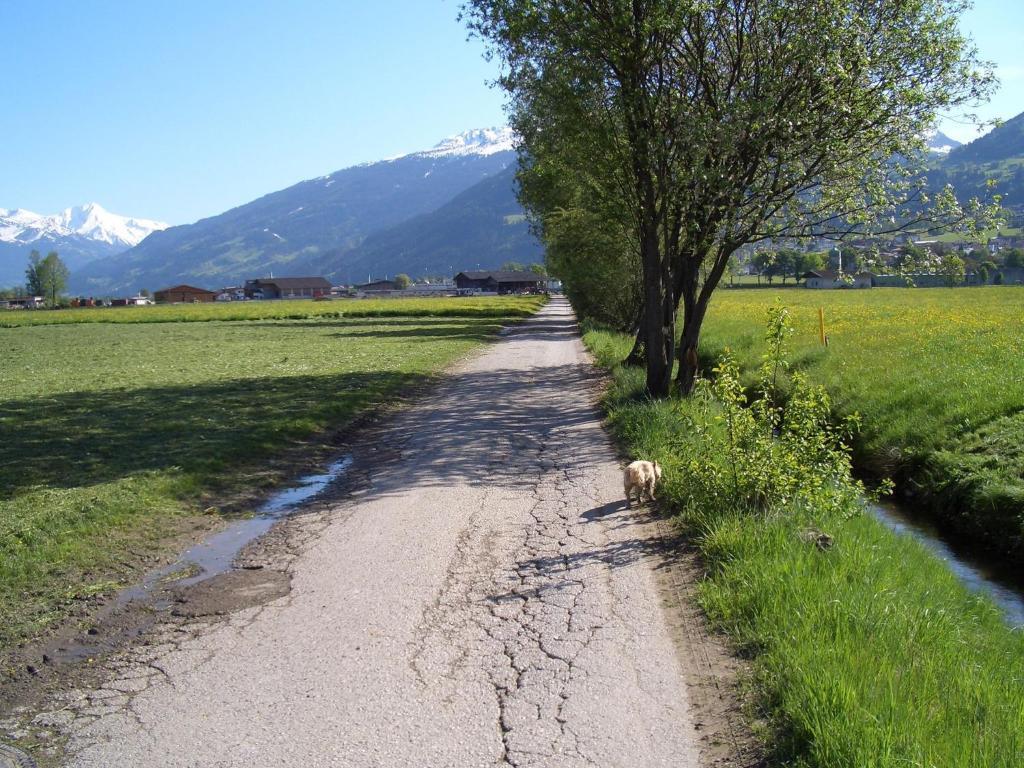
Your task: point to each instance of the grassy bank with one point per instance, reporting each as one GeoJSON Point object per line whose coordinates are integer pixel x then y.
{"type": "Point", "coordinates": [938, 376]}
{"type": "Point", "coordinates": [865, 654]}
{"type": "Point", "coordinates": [114, 433]}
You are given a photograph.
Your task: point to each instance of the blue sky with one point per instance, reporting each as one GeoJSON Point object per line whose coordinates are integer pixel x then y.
{"type": "Point", "coordinates": [176, 111]}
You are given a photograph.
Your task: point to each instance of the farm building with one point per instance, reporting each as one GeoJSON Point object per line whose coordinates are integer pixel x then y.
{"type": "Point", "coordinates": [501, 282]}
{"type": "Point", "coordinates": [187, 294]}
{"type": "Point", "coordinates": [826, 278]}
{"type": "Point", "coordinates": [288, 288]}
{"type": "Point", "coordinates": [22, 302]}
{"type": "Point", "coordinates": [378, 286]}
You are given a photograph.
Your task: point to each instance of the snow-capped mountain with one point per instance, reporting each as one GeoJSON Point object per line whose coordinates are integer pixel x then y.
{"type": "Point", "coordinates": [316, 226]}
{"type": "Point", "coordinates": [482, 141]}
{"type": "Point", "coordinates": [941, 144]}
{"type": "Point", "coordinates": [80, 235]}
{"type": "Point", "coordinates": [90, 221]}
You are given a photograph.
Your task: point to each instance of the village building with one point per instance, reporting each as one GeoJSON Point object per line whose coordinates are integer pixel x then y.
{"type": "Point", "coordinates": [287, 288]}
{"type": "Point", "coordinates": [22, 302]}
{"type": "Point", "coordinates": [826, 278]}
{"type": "Point", "coordinates": [378, 286]}
{"type": "Point", "coordinates": [500, 282]}
{"type": "Point", "coordinates": [183, 294]}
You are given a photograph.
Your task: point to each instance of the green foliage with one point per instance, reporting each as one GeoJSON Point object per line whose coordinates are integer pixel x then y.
{"type": "Point", "coordinates": [46, 277]}
{"type": "Point", "coordinates": [599, 269]}
{"type": "Point", "coordinates": [33, 275]}
{"type": "Point", "coordinates": [929, 371]}
{"type": "Point", "coordinates": [774, 457]}
{"type": "Point", "coordinates": [952, 267]}
{"type": "Point", "coordinates": [402, 281]}
{"type": "Point", "coordinates": [1014, 257]}
{"type": "Point", "coordinates": [513, 266]}
{"type": "Point", "coordinates": [865, 653]}
{"type": "Point", "coordinates": [709, 126]}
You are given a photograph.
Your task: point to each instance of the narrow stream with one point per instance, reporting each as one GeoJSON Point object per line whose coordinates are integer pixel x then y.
{"type": "Point", "coordinates": [1005, 589]}
{"type": "Point", "coordinates": [214, 555]}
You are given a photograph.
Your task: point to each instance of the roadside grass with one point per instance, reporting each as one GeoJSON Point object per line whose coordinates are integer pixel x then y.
{"type": "Point", "coordinates": [938, 376]}
{"type": "Point", "coordinates": [869, 654]}
{"type": "Point", "coordinates": [469, 306]}
{"type": "Point", "coordinates": [117, 435]}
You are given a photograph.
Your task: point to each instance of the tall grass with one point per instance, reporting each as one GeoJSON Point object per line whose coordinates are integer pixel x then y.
{"type": "Point", "coordinates": [865, 654]}
{"type": "Point", "coordinates": [938, 376]}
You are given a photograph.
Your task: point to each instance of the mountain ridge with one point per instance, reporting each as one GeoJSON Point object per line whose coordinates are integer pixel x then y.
{"type": "Point", "coordinates": [80, 234]}
{"type": "Point", "coordinates": [299, 224]}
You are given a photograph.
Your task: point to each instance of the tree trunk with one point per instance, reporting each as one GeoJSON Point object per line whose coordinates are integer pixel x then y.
{"type": "Point", "coordinates": [695, 306]}
{"type": "Point", "coordinates": [636, 355]}
{"type": "Point", "coordinates": [658, 329]}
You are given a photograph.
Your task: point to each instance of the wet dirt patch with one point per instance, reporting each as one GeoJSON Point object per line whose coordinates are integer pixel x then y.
{"type": "Point", "coordinates": [230, 592]}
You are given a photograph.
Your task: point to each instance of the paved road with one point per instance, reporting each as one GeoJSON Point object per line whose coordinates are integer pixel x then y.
{"type": "Point", "coordinates": [486, 600]}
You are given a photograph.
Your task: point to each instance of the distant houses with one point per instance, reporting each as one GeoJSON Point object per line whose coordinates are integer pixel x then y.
{"type": "Point", "coordinates": [287, 288]}
{"type": "Point", "coordinates": [378, 286]}
{"type": "Point", "coordinates": [316, 287]}
{"type": "Point", "coordinates": [501, 282]}
{"type": "Point", "coordinates": [22, 302]}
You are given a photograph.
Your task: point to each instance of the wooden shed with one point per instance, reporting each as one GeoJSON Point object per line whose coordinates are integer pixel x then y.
{"type": "Point", "coordinates": [183, 294]}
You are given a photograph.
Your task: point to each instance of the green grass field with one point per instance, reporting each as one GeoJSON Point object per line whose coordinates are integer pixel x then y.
{"type": "Point", "coordinates": [938, 376]}
{"type": "Point", "coordinates": [470, 306]}
{"type": "Point", "coordinates": [870, 653]}
{"type": "Point", "coordinates": [115, 430]}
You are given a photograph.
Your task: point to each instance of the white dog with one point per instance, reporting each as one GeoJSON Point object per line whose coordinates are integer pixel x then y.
{"type": "Point", "coordinates": [641, 476]}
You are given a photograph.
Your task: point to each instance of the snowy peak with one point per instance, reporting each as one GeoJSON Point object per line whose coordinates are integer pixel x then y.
{"type": "Point", "coordinates": [941, 144]}
{"type": "Point", "coordinates": [482, 141]}
{"type": "Point", "coordinates": [90, 221]}
{"type": "Point", "coordinates": [94, 222]}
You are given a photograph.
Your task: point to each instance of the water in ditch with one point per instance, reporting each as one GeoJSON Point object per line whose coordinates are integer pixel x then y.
{"type": "Point", "coordinates": [1004, 587]}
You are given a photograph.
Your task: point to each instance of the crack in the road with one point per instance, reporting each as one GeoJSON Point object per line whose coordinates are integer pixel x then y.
{"type": "Point", "coordinates": [516, 589]}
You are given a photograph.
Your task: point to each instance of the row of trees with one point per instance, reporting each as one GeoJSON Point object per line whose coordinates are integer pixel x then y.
{"type": "Point", "coordinates": [787, 262]}
{"type": "Point", "coordinates": [659, 137]}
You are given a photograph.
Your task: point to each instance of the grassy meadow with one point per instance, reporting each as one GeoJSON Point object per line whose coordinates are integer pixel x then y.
{"type": "Point", "coordinates": [937, 375]}
{"type": "Point", "coordinates": [116, 430]}
{"type": "Point", "coordinates": [867, 653]}
{"type": "Point", "coordinates": [470, 306]}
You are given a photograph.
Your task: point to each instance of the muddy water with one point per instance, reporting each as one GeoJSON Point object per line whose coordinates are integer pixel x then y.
{"type": "Point", "coordinates": [1005, 588]}
{"type": "Point", "coordinates": [215, 554]}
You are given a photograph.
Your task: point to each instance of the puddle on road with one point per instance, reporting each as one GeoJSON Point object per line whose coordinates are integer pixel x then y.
{"type": "Point", "coordinates": [215, 554]}
{"type": "Point", "coordinates": [973, 571]}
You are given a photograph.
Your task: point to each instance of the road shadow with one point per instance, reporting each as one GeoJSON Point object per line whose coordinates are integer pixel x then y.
{"type": "Point", "coordinates": [84, 438]}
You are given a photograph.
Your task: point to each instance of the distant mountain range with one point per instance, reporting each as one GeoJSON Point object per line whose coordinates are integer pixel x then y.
{"type": "Point", "coordinates": [330, 225]}
{"type": "Point", "coordinates": [998, 156]}
{"type": "Point", "coordinates": [437, 211]}
{"type": "Point", "coordinates": [80, 235]}
{"type": "Point", "coordinates": [482, 227]}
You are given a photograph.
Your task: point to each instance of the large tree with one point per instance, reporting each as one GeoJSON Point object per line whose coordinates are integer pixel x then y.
{"type": "Point", "coordinates": [723, 122]}
{"type": "Point", "coordinates": [46, 277]}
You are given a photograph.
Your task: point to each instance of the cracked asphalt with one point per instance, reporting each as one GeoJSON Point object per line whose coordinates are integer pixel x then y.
{"type": "Point", "coordinates": [485, 599]}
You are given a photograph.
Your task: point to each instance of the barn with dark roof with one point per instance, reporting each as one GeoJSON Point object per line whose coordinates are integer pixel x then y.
{"type": "Point", "coordinates": [287, 288]}
{"type": "Point", "coordinates": [501, 282]}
